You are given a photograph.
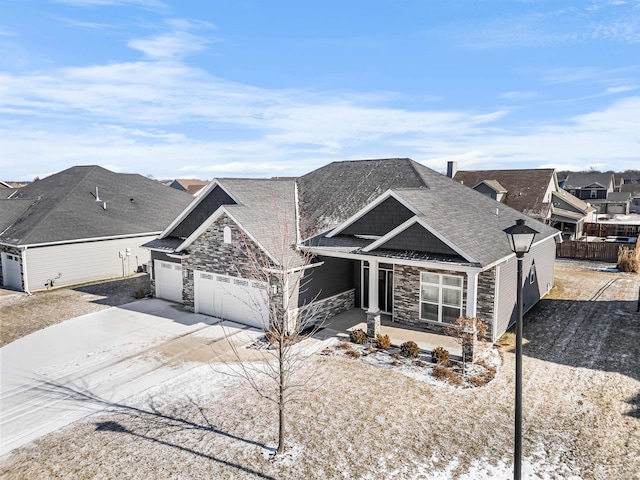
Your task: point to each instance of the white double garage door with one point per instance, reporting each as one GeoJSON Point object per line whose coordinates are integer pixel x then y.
{"type": "Point", "coordinates": [230, 298]}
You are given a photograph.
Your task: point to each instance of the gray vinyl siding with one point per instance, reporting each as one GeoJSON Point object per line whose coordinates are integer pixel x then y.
{"type": "Point", "coordinates": [561, 203]}
{"type": "Point", "coordinates": [382, 219]}
{"type": "Point", "coordinates": [417, 238]}
{"type": "Point", "coordinates": [506, 295]}
{"type": "Point", "coordinates": [84, 262]}
{"type": "Point", "coordinates": [486, 190]}
{"type": "Point", "coordinates": [335, 276]}
{"type": "Point", "coordinates": [543, 255]}
{"type": "Point", "coordinates": [203, 210]}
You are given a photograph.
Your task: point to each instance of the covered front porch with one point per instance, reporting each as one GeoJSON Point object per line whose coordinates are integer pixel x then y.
{"type": "Point", "coordinates": [342, 324]}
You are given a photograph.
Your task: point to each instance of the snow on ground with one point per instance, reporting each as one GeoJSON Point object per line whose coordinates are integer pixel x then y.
{"type": "Point", "coordinates": [361, 421]}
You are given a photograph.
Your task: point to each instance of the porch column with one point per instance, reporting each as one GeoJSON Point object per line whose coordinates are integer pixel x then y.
{"type": "Point", "coordinates": [472, 293]}
{"type": "Point", "coordinates": [373, 313]}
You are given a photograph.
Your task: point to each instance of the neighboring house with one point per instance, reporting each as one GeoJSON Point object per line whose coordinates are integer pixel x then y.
{"type": "Point", "coordinates": [390, 236]}
{"type": "Point", "coordinates": [188, 185]}
{"type": "Point", "coordinates": [83, 224]}
{"type": "Point", "coordinates": [616, 203]}
{"type": "Point", "coordinates": [595, 188]}
{"type": "Point", "coordinates": [13, 185]}
{"type": "Point", "coordinates": [535, 192]}
{"type": "Point", "coordinates": [589, 186]}
{"type": "Point", "coordinates": [634, 190]}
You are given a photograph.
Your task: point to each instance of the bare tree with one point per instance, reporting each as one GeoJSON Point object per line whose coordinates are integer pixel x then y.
{"type": "Point", "coordinates": [284, 271]}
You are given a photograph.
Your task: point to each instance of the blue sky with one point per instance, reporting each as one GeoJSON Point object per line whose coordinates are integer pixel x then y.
{"type": "Point", "coordinates": [264, 88]}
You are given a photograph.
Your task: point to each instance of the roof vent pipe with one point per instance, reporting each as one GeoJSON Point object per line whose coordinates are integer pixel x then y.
{"type": "Point", "coordinates": [97, 196]}
{"type": "Point", "coordinates": [104, 205]}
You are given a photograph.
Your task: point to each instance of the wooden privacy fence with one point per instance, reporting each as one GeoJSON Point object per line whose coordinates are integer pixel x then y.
{"type": "Point", "coordinates": [600, 251]}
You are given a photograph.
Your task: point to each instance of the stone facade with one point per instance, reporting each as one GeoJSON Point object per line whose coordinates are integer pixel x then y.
{"type": "Point", "coordinates": [11, 251]}
{"type": "Point", "coordinates": [240, 258]}
{"type": "Point", "coordinates": [320, 311]}
{"type": "Point", "coordinates": [485, 306]}
{"type": "Point", "coordinates": [406, 296]}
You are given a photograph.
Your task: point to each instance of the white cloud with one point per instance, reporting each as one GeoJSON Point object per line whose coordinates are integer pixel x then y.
{"type": "Point", "coordinates": [170, 45]}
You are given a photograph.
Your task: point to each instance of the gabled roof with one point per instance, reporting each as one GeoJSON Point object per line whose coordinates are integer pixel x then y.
{"type": "Point", "coordinates": [573, 201]}
{"type": "Point", "coordinates": [494, 184]}
{"type": "Point", "coordinates": [189, 185]}
{"type": "Point", "coordinates": [526, 188]}
{"type": "Point", "coordinates": [331, 194]}
{"type": "Point", "coordinates": [465, 220]}
{"type": "Point", "coordinates": [577, 180]}
{"type": "Point", "coordinates": [63, 207]}
{"type": "Point", "coordinates": [619, 197]}
{"type": "Point", "coordinates": [264, 208]}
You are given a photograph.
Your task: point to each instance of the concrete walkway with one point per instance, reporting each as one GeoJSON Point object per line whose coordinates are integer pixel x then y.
{"type": "Point", "coordinates": [342, 324]}
{"type": "Point", "coordinates": [62, 373]}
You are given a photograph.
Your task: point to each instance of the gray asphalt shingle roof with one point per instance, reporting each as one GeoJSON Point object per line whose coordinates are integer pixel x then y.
{"type": "Point", "coordinates": [466, 218]}
{"type": "Point", "coordinates": [526, 188]}
{"type": "Point", "coordinates": [583, 179]}
{"type": "Point", "coordinates": [63, 207]}
{"type": "Point", "coordinates": [267, 211]}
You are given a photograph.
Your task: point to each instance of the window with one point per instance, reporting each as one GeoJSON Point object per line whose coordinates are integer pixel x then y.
{"type": "Point", "coordinates": [227, 235]}
{"type": "Point", "coordinates": [440, 297]}
{"type": "Point", "coordinates": [594, 193]}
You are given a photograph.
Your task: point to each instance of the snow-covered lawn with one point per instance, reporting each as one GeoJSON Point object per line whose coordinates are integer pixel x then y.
{"type": "Point", "coordinates": [361, 420]}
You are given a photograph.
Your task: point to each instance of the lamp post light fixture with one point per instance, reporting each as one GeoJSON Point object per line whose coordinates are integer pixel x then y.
{"type": "Point", "coordinates": [520, 239]}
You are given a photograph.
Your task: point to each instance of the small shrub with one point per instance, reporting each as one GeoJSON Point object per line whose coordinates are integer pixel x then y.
{"type": "Point", "coordinates": [344, 346]}
{"type": "Point", "coordinates": [358, 336]}
{"type": "Point", "coordinates": [410, 349]}
{"type": "Point", "coordinates": [440, 355]}
{"type": "Point", "coordinates": [326, 351]}
{"type": "Point", "coordinates": [419, 363]}
{"type": "Point", "coordinates": [477, 381]}
{"type": "Point", "coordinates": [370, 349]}
{"type": "Point", "coordinates": [443, 373]}
{"type": "Point", "coordinates": [396, 363]}
{"type": "Point", "coordinates": [383, 342]}
{"type": "Point", "coordinates": [352, 353]}
{"type": "Point", "coordinates": [396, 356]}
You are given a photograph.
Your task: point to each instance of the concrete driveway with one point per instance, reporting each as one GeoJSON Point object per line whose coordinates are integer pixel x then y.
{"type": "Point", "coordinates": [57, 375]}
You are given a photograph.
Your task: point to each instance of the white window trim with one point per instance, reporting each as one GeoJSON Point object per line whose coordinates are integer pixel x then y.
{"type": "Point", "coordinates": [440, 288]}
{"type": "Point", "coordinates": [594, 193]}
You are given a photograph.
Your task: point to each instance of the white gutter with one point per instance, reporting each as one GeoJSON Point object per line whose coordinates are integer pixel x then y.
{"type": "Point", "coordinates": [80, 240]}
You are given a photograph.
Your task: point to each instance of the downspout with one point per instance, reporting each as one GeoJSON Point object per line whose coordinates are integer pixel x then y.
{"type": "Point", "coordinates": [25, 278]}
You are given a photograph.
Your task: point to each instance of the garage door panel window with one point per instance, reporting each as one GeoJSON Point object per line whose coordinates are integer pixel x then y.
{"type": "Point", "coordinates": [440, 297]}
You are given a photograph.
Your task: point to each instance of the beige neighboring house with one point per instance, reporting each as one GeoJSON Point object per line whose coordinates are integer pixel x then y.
{"type": "Point", "coordinates": [191, 186]}
{"type": "Point", "coordinates": [535, 192]}
{"type": "Point", "coordinates": [83, 224]}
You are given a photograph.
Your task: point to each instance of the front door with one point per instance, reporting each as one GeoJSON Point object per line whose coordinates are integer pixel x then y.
{"type": "Point", "coordinates": [385, 287]}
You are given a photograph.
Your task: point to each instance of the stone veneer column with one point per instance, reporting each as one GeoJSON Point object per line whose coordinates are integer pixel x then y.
{"type": "Point", "coordinates": [373, 313]}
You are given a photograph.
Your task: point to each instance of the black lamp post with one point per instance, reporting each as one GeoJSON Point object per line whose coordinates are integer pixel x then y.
{"type": "Point", "coordinates": [520, 239]}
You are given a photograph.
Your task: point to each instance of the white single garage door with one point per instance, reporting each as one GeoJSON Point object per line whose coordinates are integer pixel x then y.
{"type": "Point", "coordinates": [168, 278]}
{"type": "Point", "coordinates": [11, 273]}
{"type": "Point", "coordinates": [231, 298]}
{"type": "Point", "coordinates": [620, 209]}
